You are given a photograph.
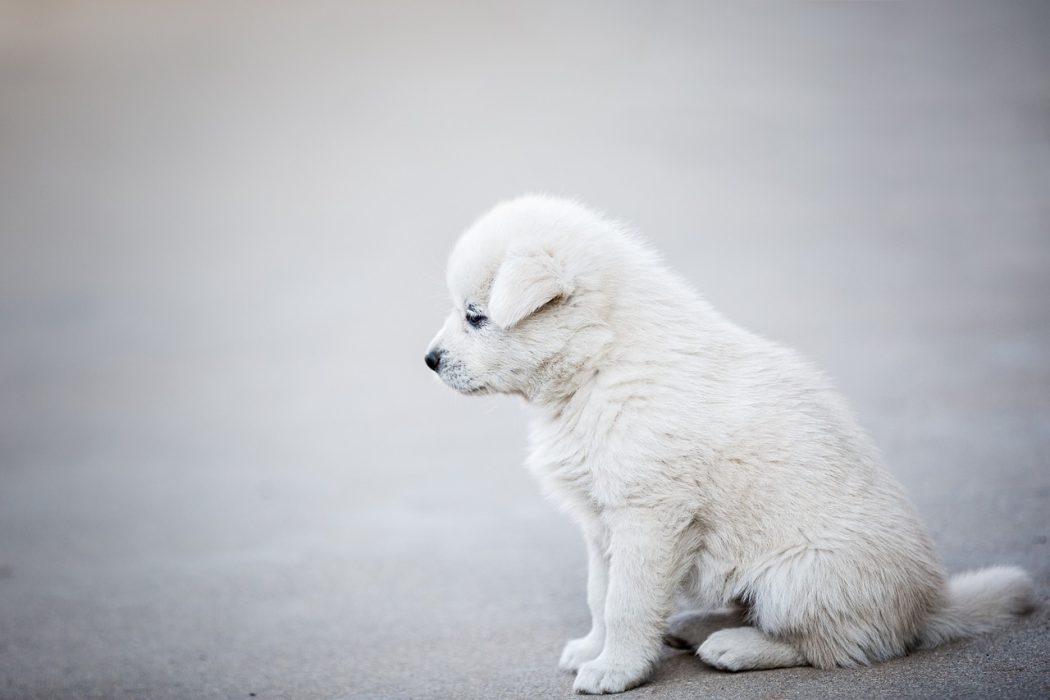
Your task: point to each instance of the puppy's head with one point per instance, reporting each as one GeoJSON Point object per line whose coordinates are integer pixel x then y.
{"type": "Point", "coordinates": [523, 316]}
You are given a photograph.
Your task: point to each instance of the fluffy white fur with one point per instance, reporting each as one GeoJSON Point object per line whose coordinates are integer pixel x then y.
{"type": "Point", "coordinates": [701, 461]}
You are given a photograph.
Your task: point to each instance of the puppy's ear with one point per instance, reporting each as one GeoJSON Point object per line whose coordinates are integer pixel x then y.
{"type": "Point", "coordinates": [527, 279]}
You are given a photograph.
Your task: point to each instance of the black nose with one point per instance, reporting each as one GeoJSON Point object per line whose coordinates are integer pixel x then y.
{"type": "Point", "coordinates": [433, 359]}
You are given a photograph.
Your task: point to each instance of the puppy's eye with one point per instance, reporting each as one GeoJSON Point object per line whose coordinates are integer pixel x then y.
{"type": "Point", "coordinates": [476, 320]}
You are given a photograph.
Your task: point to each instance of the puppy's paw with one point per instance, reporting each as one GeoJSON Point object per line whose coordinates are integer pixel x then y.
{"type": "Point", "coordinates": [723, 651]}
{"type": "Point", "coordinates": [577, 652]}
{"type": "Point", "coordinates": [604, 676]}
{"type": "Point", "coordinates": [746, 648]}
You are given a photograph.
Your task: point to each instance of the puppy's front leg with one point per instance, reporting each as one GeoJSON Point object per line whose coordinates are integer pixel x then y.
{"type": "Point", "coordinates": [579, 651]}
{"type": "Point", "coordinates": [638, 599]}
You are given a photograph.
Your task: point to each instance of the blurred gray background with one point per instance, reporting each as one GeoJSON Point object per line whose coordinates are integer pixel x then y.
{"type": "Point", "coordinates": [224, 467]}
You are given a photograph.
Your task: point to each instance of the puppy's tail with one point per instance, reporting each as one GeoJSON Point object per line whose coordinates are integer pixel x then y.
{"type": "Point", "coordinates": [977, 602]}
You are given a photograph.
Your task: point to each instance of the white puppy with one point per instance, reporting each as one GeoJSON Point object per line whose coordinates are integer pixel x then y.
{"type": "Point", "coordinates": [699, 459]}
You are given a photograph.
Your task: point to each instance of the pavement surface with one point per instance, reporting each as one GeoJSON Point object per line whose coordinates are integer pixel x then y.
{"type": "Point", "coordinates": [225, 471]}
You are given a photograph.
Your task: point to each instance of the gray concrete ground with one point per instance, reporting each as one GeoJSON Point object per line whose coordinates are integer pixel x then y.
{"type": "Point", "coordinates": [224, 469]}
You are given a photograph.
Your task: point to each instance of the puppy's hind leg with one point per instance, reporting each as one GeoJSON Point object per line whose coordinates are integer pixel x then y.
{"type": "Point", "coordinates": [688, 629]}
{"type": "Point", "coordinates": [748, 649]}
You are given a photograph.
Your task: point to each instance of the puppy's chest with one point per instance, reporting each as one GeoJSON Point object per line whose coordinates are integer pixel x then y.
{"type": "Point", "coordinates": [563, 470]}
{"type": "Point", "coordinates": [570, 465]}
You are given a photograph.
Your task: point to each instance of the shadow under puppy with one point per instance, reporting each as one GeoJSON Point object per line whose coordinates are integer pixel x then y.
{"type": "Point", "coordinates": [699, 459]}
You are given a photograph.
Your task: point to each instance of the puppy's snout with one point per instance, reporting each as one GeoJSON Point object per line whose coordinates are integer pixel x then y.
{"type": "Point", "coordinates": [433, 358]}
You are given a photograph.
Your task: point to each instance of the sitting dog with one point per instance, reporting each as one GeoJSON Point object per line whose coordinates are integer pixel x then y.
{"type": "Point", "coordinates": [699, 459]}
